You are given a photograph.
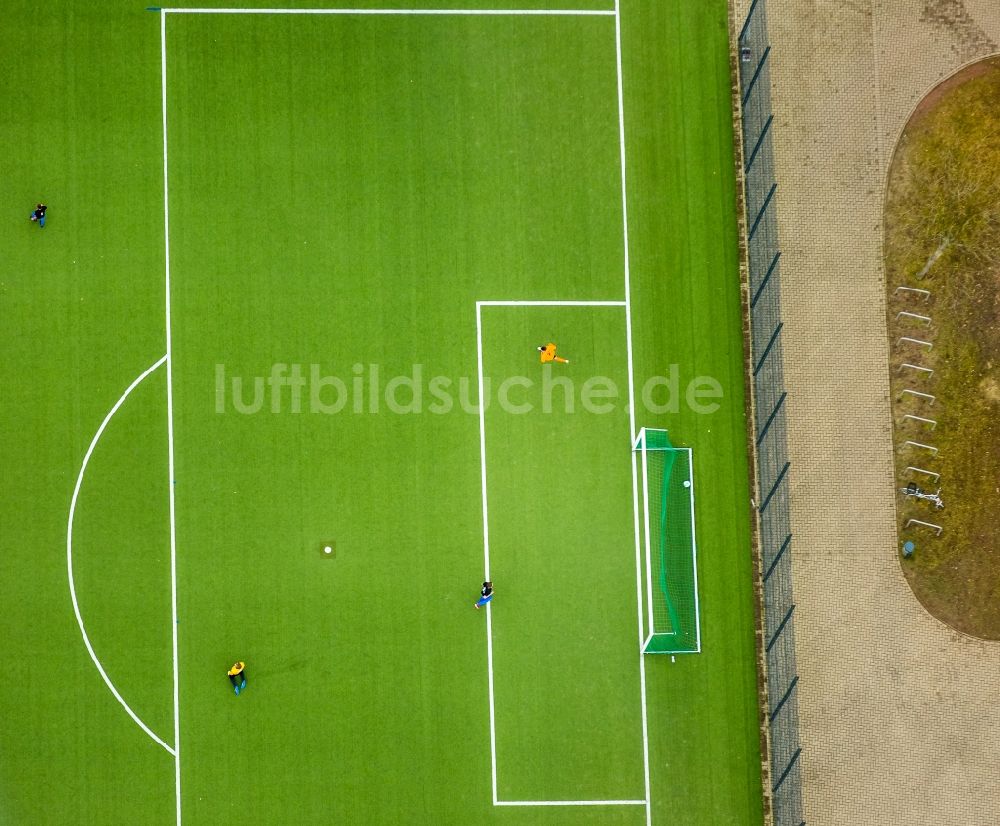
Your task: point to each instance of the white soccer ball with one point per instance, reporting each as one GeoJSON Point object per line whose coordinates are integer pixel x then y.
{"type": "Point", "coordinates": [328, 550]}
{"type": "Point", "coordinates": [687, 484]}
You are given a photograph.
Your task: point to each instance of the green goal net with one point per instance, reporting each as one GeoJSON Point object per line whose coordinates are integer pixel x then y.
{"type": "Point", "coordinates": [672, 618]}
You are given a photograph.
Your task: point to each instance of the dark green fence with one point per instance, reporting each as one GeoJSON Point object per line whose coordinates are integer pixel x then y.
{"type": "Point", "coordinates": [764, 259]}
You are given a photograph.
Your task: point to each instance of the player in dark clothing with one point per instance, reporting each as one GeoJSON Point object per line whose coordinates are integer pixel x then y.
{"type": "Point", "coordinates": [238, 677]}
{"type": "Point", "coordinates": [485, 595]}
{"type": "Point", "coordinates": [38, 214]}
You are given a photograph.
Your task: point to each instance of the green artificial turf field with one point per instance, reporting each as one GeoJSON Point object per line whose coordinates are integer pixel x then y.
{"type": "Point", "coordinates": [352, 207]}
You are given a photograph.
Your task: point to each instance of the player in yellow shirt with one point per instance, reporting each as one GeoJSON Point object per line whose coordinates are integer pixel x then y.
{"type": "Point", "coordinates": [238, 677]}
{"type": "Point", "coordinates": [548, 353]}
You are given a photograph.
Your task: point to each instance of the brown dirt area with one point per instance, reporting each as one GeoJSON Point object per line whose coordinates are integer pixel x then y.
{"type": "Point", "coordinates": [944, 194]}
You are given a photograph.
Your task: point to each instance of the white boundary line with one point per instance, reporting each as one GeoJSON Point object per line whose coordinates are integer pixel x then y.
{"type": "Point", "coordinates": [69, 555]}
{"type": "Point", "coordinates": [694, 554]}
{"type": "Point", "coordinates": [486, 544]}
{"type": "Point", "coordinates": [570, 803]}
{"type": "Point", "coordinates": [170, 423]}
{"type": "Point", "coordinates": [410, 12]}
{"type": "Point", "coordinates": [479, 304]}
{"type": "Point", "coordinates": [645, 512]}
{"type": "Point", "coordinates": [550, 303]}
{"type": "Point", "coordinates": [631, 408]}
{"type": "Point", "coordinates": [486, 556]}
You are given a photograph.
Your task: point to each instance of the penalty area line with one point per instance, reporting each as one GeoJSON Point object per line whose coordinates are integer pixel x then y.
{"type": "Point", "coordinates": [486, 548]}
{"type": "Point", "coordinates": [551, 304]}
{"type": "Point", "coordinates": [407, 12]}
{"type": "Point", "coordinates": [486, 554]}
{"type": "Point", "coordinates": [569, 803]}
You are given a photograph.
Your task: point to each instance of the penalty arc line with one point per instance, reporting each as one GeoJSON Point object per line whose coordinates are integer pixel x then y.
{"type": "Point", "coordinates": [69, 556]}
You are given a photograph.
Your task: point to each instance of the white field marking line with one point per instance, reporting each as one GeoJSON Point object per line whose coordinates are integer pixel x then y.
{"type": "Point", "coordinates": [550, 303]}
{"type": "Point", "coordinates": [570, 803]}
{"type": "Point", "coordinates": [493, 732]}
{"type": "Point", "coordinates": [411, 12]}
{"type": "Point", "coordinates": [486, 553]}
{"type": "Point", "coordinates": [69, 555]}
{"type": "Point", "coordinates": [170, 424]}
{"type": "Point", "coordinates": [631, 407]}
{"type": "Point", "coordinates": [486, 544]}
{"type": "Point", "coordinates": [645, 511]}
{"type": "Point", "coordinates": [694, 555]}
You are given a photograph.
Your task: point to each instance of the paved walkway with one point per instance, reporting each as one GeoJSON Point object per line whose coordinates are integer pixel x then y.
{"type": "Point", "coordinates": [900, 716]}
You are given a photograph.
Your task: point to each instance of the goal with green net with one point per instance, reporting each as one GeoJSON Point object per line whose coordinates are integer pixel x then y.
{"type": "Point", "coordinates": [673, 623]}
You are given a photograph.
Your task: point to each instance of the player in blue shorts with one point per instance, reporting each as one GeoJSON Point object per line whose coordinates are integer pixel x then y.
{"type": "Point", "coordinates": [238, 676]}
{"type": "Point", "coordinates": [485, 595]}
{"type": "Point", "coordinates": [38, 214]}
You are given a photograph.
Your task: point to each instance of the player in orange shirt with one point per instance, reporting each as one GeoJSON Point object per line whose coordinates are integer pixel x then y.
{"type": "Point", "coordinates": [549, 354]}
